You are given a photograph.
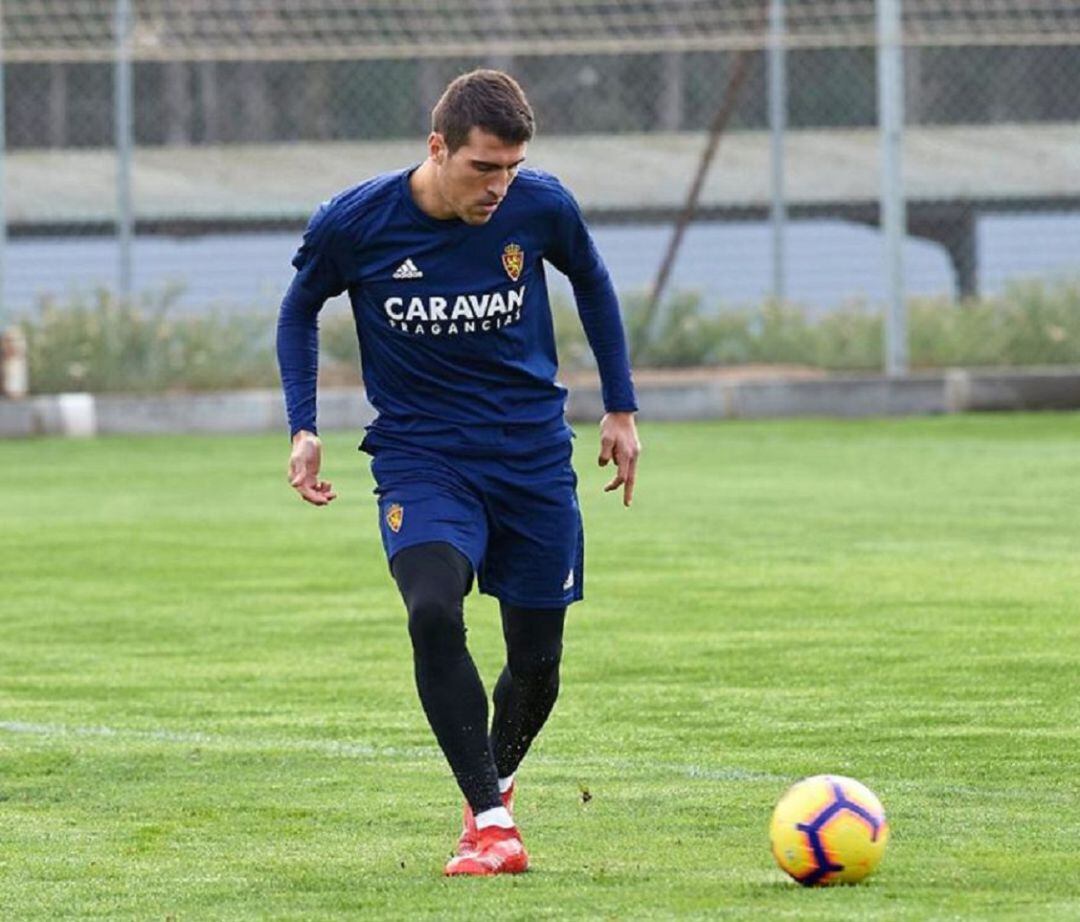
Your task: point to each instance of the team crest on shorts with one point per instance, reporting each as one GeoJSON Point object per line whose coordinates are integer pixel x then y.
{"type": "Point", "coordinates": [513, 260]}
{"type": "Point", "coordinates": [394, 515]}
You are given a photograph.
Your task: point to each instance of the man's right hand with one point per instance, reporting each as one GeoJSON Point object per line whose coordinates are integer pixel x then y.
{"type": "Point", "coordinates": [304, 463]}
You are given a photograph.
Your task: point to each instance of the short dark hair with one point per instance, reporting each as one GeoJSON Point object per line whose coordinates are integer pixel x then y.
{"type": "Point", "coordinates": [487, 99]}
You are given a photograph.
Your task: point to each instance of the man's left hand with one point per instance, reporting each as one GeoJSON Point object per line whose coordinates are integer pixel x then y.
{"type": "Point", "coordinates": [619, 443]}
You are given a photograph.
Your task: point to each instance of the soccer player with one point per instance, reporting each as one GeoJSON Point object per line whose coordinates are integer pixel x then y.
{"type": "Point", "coordinates": [470, 449]}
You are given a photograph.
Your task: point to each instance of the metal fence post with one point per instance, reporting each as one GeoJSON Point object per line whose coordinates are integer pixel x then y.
{"type": "Point", "coordinates": [890, 73]}
{"type": "Point", "coordinates": [123, 112]}
{"type": "Point", "coordinates": [777, 127]}
{"type": "Point", "coordinates": [3, 201]}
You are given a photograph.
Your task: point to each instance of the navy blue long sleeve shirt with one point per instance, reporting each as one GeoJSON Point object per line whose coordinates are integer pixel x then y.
{"type": "Point", "coordinates": [454, 321]}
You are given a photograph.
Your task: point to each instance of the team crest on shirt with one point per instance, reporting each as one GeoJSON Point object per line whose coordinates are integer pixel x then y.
{"type": "Point", "coordinates": [513, 260]}
{"type": "Point", "coordinates": [394, 515]}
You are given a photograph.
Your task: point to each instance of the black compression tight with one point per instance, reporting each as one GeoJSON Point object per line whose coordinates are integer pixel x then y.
{"type": "Point", "coordinates": [434, 579]}
{"type": "Point", "coordinates": [529, 683]}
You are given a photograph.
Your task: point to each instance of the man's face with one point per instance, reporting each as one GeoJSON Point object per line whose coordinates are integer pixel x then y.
{"type": "Point", "coordinates": [475, 178]}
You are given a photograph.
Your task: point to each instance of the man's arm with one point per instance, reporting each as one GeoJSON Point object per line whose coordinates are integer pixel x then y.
{"type": "Point", "coordinates": [316, 280]}
{"type": "Point", "coordinates": [599, 311]}
{"type": "Point", "coordinates": [575, 255]}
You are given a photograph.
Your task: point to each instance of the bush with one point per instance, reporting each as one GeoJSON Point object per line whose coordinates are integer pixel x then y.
{"type": "Point", "coordinates": [1030, 323]}
{"type": "Point", "coordinates": [100, 344]}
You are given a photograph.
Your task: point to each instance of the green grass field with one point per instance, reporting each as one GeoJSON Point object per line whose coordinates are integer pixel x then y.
{"type": "Point", "coordinates": [207, 711]}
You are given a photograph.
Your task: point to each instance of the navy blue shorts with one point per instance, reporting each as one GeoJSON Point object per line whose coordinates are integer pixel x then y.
{"type": "Point", "coordinates": [516, 518]}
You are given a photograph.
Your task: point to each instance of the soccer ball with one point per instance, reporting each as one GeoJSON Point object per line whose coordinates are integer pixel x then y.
{"type": "Point", "coordinates": [828, 830]}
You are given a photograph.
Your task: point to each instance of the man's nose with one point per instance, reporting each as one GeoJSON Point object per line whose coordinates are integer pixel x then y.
{"type": "Point", "coordinates": [498, 184]}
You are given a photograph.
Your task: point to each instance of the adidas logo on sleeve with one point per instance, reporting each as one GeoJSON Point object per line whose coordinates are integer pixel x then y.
{"type": "Point", "coordinates": [408, 270]}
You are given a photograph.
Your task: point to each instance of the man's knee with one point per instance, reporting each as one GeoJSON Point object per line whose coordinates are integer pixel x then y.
{"type": "Point", "coordinates": [538, 667]}
{"type": "Point", "coordinates": [433, 579]}
{"type": "Point", "coordinates": [534, 644]}
{"type": "Point", "coordinates": [436, 624]}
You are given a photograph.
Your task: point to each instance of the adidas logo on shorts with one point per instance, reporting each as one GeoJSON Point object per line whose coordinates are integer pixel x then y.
{"type": "Point", "coordinates": [408, 270]}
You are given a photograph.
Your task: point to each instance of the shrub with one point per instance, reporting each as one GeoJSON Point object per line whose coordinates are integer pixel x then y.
{"type": "Point", "coordinates": [99, 344]}
{"type": "Point", "coordinates": [1030, 323]}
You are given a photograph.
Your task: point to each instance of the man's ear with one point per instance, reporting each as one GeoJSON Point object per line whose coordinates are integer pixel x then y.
{"type": "Point", "coordinates": [437, 149]}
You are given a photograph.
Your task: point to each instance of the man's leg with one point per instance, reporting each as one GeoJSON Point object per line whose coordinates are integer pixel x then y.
{"type": "Point", "coordinates": [529, 684]}
{"type": "Point", "coordinates": [433, 579]}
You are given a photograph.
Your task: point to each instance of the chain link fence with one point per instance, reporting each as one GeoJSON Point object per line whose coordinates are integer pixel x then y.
{"type": "Point", "coordinates": [246, 114]}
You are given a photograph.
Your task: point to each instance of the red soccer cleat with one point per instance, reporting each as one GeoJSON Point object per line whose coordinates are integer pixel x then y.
{"type": "Point", "coordinates": [467, 840]}
{"type": "Point", "coordinates": [497, 851]}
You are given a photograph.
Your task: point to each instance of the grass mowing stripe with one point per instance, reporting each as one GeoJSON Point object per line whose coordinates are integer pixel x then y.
{"type": "Point", "coordinates": [344, 749]}
{"type": "Point", "coordinates": [354, 750]}
{"type": "Point", "coordinates": [367, 751]}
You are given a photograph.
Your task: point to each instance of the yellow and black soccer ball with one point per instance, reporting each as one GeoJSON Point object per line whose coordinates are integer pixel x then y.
{"type": "Point", "coordinates": [828, 830]}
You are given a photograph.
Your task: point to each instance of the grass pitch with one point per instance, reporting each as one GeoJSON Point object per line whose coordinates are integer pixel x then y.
{"type": "Point", "coordinates": [207, 711]}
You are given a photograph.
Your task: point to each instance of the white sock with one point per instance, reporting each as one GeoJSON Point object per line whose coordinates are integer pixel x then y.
{"type": "Point", "coordinates": [505, 783]}
{"type": "Point", "coordinates": [496, 816]}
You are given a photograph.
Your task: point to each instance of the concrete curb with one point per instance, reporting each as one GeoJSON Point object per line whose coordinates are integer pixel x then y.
{"type": "Point", "coordinates": [953, 391]}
